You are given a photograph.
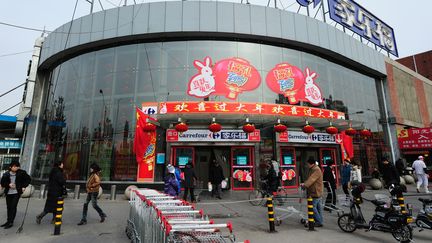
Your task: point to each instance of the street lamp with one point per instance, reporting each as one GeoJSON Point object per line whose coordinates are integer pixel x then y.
{"type": "Point", "coordinates": [354, 113]}
{"type": "Point", "coordinates": [376, 117]}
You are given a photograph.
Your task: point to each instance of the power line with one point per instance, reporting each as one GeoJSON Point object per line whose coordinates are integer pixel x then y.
{"type": "Point", "coordinates": [16, 53]}
{"type": "Point", "coordinates": [25, 28]}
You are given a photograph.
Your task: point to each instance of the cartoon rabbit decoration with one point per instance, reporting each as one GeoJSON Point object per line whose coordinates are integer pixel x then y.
{"type": "Point", "coordinates": [312, 91]}
{"type": "Point", "coordinates": [202, 84]}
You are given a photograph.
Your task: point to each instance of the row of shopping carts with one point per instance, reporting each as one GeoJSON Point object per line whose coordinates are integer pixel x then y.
{"type": "Point", "coordinates": [158, 218]}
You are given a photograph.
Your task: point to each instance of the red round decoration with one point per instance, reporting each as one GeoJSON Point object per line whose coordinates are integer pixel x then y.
{"type": "Point", "coordinates": [365, 133]}
{"type": "Point", "coordinates": [308, 129]}
{"type": "Point", "coordinates": [280, 128]}
{"type": "Point", "coordinates": [181, 127]}
{"type": "Point", "coordinates": [149, 127]}
{"type": "Point", "coordinates": [235, 75]}
{"type": "Point", "coordinates": [248, 128]}
{"type": "Point", "coordinates": [332, 130]}
{"type": "Point", "coordinates": [350, 131]}
{"type": "Point", "coordinates": [215, 127]}
{"type": "Point", "coordinates": [286, 79]}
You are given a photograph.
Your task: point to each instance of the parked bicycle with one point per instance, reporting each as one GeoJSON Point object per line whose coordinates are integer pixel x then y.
{"type": "Point", "coordinates": [259, 196]}
{"type": "Point", "coordinates": [387, 219]}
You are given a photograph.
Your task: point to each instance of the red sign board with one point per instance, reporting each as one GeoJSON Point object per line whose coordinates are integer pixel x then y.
{"type": "Point", "coordinates": [197, 135]}
{"type": "Point", "coordinates": [415, 138]}
{"type": "Point", "coordinates": [194, 107]}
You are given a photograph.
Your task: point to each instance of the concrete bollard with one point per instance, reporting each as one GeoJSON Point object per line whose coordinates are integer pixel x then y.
{"type": "Point", "coordinates": [77, 192]}
{"type": "Point", "coordinates": [42, 191]}
{"type": "Point", "coordinates": [58, 216]}
{"type": "Point", "coordinates": [311, 219]}
{"type": "Point", "coordinates": [270, 211]}
{"type": "Point", "coordinates": [113, 192]}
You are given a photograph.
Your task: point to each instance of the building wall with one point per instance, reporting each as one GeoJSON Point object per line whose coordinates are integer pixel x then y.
{"type": "Point", "coordinates": [410, 94]}
{"type": "Point", "coordinates": [420, 63]}
{"type": "Point", "coordinates": [195, 19]}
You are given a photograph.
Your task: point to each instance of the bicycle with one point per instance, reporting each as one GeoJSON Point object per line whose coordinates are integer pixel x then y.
{"type": "Point", "coordinates": [259, 196]}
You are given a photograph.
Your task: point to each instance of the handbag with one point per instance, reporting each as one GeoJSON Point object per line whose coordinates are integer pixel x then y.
{"type": "Point", "coordinates": [210, 187]}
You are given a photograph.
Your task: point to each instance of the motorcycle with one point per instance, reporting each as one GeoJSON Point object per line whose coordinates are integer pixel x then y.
{"type": "Point", "coordinates": [424, 218]}
{"type": "Point", "coordinates": [387, 219]}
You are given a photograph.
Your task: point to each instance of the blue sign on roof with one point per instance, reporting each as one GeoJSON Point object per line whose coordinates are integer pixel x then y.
{"type": "Point", "coordinates": [8, 118]}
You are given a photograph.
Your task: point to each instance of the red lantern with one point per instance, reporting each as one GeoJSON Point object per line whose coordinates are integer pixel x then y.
{"type": "Point", "coordinates": [215, 127]}
{"type": "Point", "coordinates": [235, 75]}
{"type": "Point", "coordinates": [365, 133]}
{"type": "Point", "coordinates": [308, 129]}
{"type": "Point", "coordinates": [279, 128]}
{"type": "Point", "coordinates": [332, 130]}
{"type": "Point", "coordinates": [286, 79]}
{"type": "Point", "coordinates": [149, 127]}
{"type": "Point", "coordinates": [248, 128]}
{"type": "Point", "coordinates": [181, 127]}
{"type": "Point", "coordinates": [350, 131]}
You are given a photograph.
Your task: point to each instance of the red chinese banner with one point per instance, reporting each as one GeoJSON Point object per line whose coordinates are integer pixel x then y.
{"type": "Point", "coordinates": [415, 138]}
{"type": "Point", "coordinates": [194, 107]}
{"type": "Point", "coordinates": [144, 148]}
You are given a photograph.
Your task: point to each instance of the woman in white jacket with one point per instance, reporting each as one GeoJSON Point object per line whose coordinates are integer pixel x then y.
{"type": "Point", "coordinates": [355, 173]}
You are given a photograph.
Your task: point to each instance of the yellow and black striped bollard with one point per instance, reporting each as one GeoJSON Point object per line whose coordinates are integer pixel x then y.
{"type": "Point", "coordinates": [311, 220]}
{"type": "Point", "coordinates": [58, 216]}
{"type": "Point", "coordinates": [271, 214]}
{"type": "Point", "coordinates": [401, 201]}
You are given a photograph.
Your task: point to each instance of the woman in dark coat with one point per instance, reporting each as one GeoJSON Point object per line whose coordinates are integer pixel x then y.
{"type": "Point", "coordinates": [216, 177]}
{"type": "Point", "coordinates": [56, 186]}
{"type": "Point", "coordinates": [189, 181]}
{"type": "Point", "coordinates": [389, 173]}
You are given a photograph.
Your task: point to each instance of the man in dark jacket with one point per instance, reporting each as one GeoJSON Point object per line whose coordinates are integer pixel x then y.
{"type": "Point", "coordinates": [330, 185]}
{"type": "Point", "coordinates": [189, 181]}
{"type": "Point", "coordinates": [14, 182]}
{"type": "Point", "coordinates": [389, 173]}
{"type": "Point", "coordinates": [216, 177]}
{"type": "Point", "coordinates": [56, 187]}
{"type": "Point", "coordinates": [346, 174]}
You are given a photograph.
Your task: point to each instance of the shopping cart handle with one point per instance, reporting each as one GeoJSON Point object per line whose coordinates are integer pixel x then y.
{"type": "Point", "coordinates": [229, 226]}
{"type": "Point", "coordinates": [168, 229]}
{"type": "Point", "coordinates": [201, 212]}
{"type": "Point", "coordinates": [211, 221]}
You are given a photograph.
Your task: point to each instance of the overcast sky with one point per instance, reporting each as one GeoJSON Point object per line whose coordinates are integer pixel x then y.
{"type": "Point", "coordinates": [411, 24]}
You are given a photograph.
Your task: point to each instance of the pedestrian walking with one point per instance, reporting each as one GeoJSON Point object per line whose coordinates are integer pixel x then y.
{"type": "Point", "coordinates": [177, 174]}
{"type": "Point", "coordinates": [276, 168]}
{"type": "Point", "coordinates": [92, 187]}
{"type": "Point", "coordinates": [401, 166]}
{"type": "Point", "coordinates": [271, 179]}
{"type": "Point", "coordinates": [346, 174]}
{"type": "Point", "coordinates": [389, 173]}
{"type": "Point", "coordinates": [314, 187]}
{"type": "Point", "coordinates": [14, 183]}
{"type": "Point", "coordinates": [171, 183]}
{"type": "Point", "coordinates": [330, 186]}
{"type": "Point", "coordinates": [56, 189]}
{"type": "Point", "coordinates": [216, 177]}
{"type": "Point", "coordinates": [355, 175]}
{"type": "Point", "coordinates": [189, 181]}
{"type": "Point", "coordinates": [420, 170]}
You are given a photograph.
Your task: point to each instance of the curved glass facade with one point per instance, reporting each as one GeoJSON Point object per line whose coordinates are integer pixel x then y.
{"type": "Point", "coordinates": [90, 113]}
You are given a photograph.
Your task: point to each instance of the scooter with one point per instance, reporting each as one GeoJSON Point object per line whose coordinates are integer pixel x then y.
{"type": "Point", "coordinates": [386, 219]}
{"type": "Point", "coordinates": [424, 218]}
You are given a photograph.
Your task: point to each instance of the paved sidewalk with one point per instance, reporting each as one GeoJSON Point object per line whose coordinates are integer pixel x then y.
{"type": "Point", "coordinates": [112, 230]}
{"type": "Point", "coordinates": [249, 222]}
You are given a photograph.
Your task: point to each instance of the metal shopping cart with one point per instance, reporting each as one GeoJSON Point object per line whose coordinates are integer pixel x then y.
{"type": "Point", "coordinates": [293, 206]}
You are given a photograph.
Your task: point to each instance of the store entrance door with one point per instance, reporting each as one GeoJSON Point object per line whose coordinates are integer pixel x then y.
{"type": "Point", "coordinates": [242, 167]}
{"type": "Point", "coordinates": [327, 154]}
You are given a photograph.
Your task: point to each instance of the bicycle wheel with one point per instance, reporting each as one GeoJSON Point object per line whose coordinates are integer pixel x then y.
{"type": "Point", "coordinates": [346, 223]}
{"type": "Point", "coordinates": [256, 198]}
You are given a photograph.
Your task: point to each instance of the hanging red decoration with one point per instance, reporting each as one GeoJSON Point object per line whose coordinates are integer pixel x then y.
{"type": "Point", "coordinates": [149, 127]}
{"type": "Point", "coordinates": [215, 127]}
{"type": "Point", "coordinates": [279, 128]}
{"type": "Point", "coordinates": [332, 130]}
{"type": "Point", "coordinates": [350, 131]}
{"type": "Point", "coordinates": [365, 133]}
{"type": "Point", "coordinates": [181, 127]}
{"type": "Point", "coordinates": [308, 129]}
{"type": "Point", "coordinates": [248, 128]}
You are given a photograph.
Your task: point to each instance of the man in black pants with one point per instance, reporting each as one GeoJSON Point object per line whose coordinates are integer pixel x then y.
{"type": "Point", "coordinates": [14, 182]}
{"type": "Point", "coordinates": [330, 185]}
